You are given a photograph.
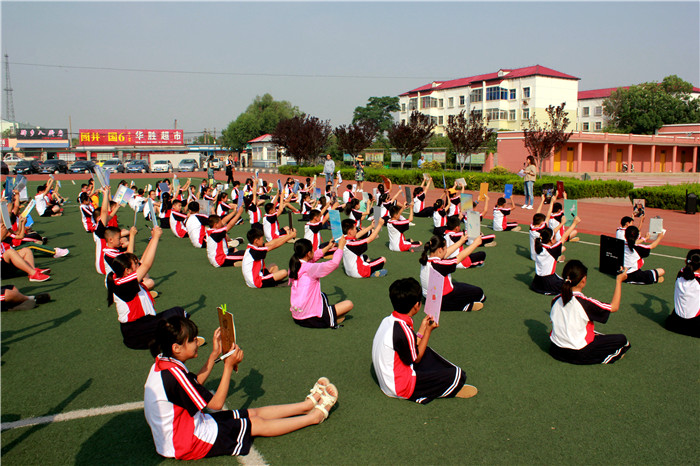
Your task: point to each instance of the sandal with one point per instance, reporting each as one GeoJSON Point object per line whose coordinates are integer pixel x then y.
{"type": "Point", "coordinates": [327, 401]}
{"type": "Point", "coordinates": [318, 389]}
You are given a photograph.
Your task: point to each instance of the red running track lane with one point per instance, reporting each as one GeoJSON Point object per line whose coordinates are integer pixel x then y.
{"type": "Point", "coordinates": [598, 216]}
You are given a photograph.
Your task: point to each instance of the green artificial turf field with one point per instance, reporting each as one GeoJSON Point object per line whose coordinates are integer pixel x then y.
{"type": "Point", "coordinates": [67, 355]}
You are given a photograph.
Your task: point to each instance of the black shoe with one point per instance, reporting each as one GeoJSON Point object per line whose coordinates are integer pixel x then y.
{"type": "Point", "coordinates": [44, 240]}
{"type": "Point", "coordinates": [42, 298]}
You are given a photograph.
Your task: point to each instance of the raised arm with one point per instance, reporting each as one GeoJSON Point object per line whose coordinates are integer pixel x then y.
{"type": "Point", "coordinates": [279, 241]}
{"type": "Point", "coordinates": [375, 232]}
{"type": "Point", "coordinates": [455, 246]}
{"type": "Point", "coordinates": [469, 249]}
{"type": "Point", "coordinates": [232, 217]}
{"type": "Point", "coordinates": [149, 254]}
{"type": "Point", "coordinates": [568, 231]}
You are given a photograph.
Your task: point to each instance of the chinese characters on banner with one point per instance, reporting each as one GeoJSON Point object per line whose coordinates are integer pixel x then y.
{"type": "Point", "coordinates": [130, 137]}
{"type": "Point", "coordinates": [42, 133]}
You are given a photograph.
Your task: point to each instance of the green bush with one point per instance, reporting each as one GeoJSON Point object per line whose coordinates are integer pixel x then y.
{"type": "Point", "coordinates": [670, 197]}
{"type": "Point", "coordinates": [498, 170]}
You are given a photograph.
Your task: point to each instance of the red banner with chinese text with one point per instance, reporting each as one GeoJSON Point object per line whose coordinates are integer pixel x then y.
{"type": "Point", "coordinates": [131, 137]}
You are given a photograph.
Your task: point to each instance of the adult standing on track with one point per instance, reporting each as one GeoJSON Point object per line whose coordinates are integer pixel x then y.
{"type": "Point", "coordinates": [229, 169]}
{"type": "Point", "coordinates": [210, 167]}
{"type": "Point", "coordinates": [529, 180]}
{"type": "Point", "coordinates": [328, 169]}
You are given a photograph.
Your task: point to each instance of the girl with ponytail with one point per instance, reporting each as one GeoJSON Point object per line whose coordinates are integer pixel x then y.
{"type": "Point", "coordinates": [573, 337]}
{"type": "Point", "coordinates": [455, 296]}
{"type": "Point", "coordinates": [685, 318]}
{"type": "Point", "coordinates": [440, 215]}
{"type": "Point", "coordinates": [547, 253]}
{"type": "Point", "coordinates": [309, 306]}
{"type": "Point", "coordinates": [634, 259]}
{"type": "Point", "coordinates": [175, 398]}
{"type": "Point", "coordinates": [136, 310]}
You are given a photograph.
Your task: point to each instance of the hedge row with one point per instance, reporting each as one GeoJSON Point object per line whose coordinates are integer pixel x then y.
{"type": "Point", "coordinates": [575, 188]}
{"type": "Point", "coordinates": [670, 197]}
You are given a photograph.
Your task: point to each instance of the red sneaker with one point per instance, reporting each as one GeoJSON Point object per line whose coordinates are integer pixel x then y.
{"type": "Point", "coordinates": [38, 277]}
{"type": "Point", "coordinates": [43, 271]}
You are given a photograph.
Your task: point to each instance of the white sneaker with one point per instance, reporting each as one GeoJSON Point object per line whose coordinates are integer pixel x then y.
{"type": "Point", "coordinates": [60, 252]}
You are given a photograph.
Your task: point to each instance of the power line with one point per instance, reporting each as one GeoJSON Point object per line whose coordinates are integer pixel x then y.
{"type": "Point", "coordinates": [216, 73]}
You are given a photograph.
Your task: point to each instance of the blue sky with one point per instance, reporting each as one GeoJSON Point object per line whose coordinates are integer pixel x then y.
{"type": "Point", "coordinates": [325, 57]}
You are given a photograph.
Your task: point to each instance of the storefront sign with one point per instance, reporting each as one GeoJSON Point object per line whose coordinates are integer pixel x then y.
{"type": "Point", "coordinates": [42, 133]}
{"type": "Point", "coordinates": [131, 137]}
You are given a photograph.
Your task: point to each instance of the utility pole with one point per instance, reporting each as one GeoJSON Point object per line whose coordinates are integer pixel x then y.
{"type": "Point", "coordinates": [9, 104]}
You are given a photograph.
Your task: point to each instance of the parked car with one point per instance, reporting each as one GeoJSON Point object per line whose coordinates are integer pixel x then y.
{"type": "Point", "coordinates": [82, 166]}
{"type": "Point", "coordinates": [27, 167]}
{"type": "Point", "coordinates": [12, 158]}
{"type": "Point", "coordinates": [137, 166]}
{"type": "Point", "coordinates": [162, 166]}
{"type": "Point", "coordinates": [54, 166]}
{"type": "Point", "coordinates": [113, 165]}
{"type": "Point", "coordinates": [4, 170]}
{"type": "Point", "coordinates": [188, 165]}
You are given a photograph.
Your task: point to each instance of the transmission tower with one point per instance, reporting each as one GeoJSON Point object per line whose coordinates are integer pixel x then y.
{"type": "Point", "coordinates": [9, 104]}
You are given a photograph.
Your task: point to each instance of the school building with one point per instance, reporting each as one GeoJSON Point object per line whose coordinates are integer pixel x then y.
{"type": "Point", "coordinates": [507, 97]}
{"type": "Point", "coordinates": [674, 149]}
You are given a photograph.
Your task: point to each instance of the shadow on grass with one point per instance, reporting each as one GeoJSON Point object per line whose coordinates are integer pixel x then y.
{"type": "Point", "coordinates": [525, 278]}
{"type": "Point", "coordinates": [522, 251]}
{"type": "Point", "coordinates": [339, 292]}
{"type": "Point", "coordinates": [538, 334]}
{"type": "Point", "coordinates": [124, 439]}
{"type": "Point", "coordinates": [646, 309]}
{"type": "Point", "coordinates": [159, 281]}
{"type": "Point", "coordinates": [193, 307]}
{"type": "Point", "coordinates": [47, 287]}
{"type": "Point", "coordinates": [6, 448]}
{"type": "Point", "coordinates": [251, 385]}
{"type": "Point", "coordinates": [13, 336]}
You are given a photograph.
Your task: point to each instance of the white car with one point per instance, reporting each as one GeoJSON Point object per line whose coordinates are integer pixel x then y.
{"type": "Point", "coordinates": [12, 158]}
{"type": "Point", "coordinates": [163, 166]}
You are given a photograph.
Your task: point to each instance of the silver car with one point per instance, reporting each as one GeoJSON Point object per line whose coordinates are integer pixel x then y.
{"type": "Point", "coordinates": [188, 165]}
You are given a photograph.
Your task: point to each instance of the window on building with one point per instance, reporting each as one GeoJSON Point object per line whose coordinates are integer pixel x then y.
{"type": "Point", "coordinates": [496, 93]}
{"type": "Point", "coordinates": [511, 115]}
{"type": "Point", "coordinates": [586, 111]}
{"type": "Point", "coordinates": [440, 103]}
{"type": "Point", "coordinates": [526, 92]}
{"type": "Point", "coordinates": [512, 94]}
{"type": "Point", "coordinates": [440, 120]}
{"type": "Point", "coordinates": [598, 126]}
{"type": "Point", "coordinates": [413, 104]}
{"type": "Point", "coordinates": [599, 111]}
{"type": "Point", "coordinates": [478, 114]}
{"type": "Point", "coordinates": [496, 114]}
{"type": "Point", "coordinates": [461, 101]}
{"type": "Point", "coordinates": [477, 95]}
{"type": "Point", "coordinates": [403, 107]}
{"type": "Point", "coordinates": [428, 102]}
{"type": "Point", "coordinates": [586, 127]}
{"type": "Point", "coordinates": [526, 114]}
{"type": "Point", "coordinates": [434, 120]}
{"type": "Point", "coordinates": [451, 102]}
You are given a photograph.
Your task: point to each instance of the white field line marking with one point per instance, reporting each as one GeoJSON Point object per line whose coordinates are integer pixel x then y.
{"type": "Point", "coordinates": [77, 414]}
{"type": "Point", "coordinates": [596, 244]}
{"type": "Point", "coordinates": [254, 457]}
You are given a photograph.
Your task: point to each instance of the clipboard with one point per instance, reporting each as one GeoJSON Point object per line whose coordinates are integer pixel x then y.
{"type": "Point", "coordinates": [461, 182]}
{"type": "Point", "coordinates": [612, 254]}
{"type": "Point", "coordinates": [570, 211]}
{"type": "Point", "coordinates": [656, 226]}
{"type": "Point", "coordinates": [295, 189]}
{"type": "Point", "coordinates": [473, 224]}
{"type": "Point", "coordinates": [9, 183]}
{"type": "Point", "coordinates": [483, 191]}
{"type": "Point", "coordinates": [228, 330]}
{"type": "Point", "coordinates": [508, 191]}
{"type": "Point", "coordinates": [5, 215]}
{"type": "Point", "coordinates": [433, 300]}
{"type": "Point", "coordinates": [560, 189]}
{"type": "Point", "coordinates": [466, 202]}
{"type": "Point", "coordinates": [279, 189]}
{"type": "Point", "coordinates": [20, 184]}
{"type": "Point", "coordinates": [407, 192]}
{"type": "Point", "coordinates": [336, 228]}
{"type": "Point", "coordinates": [119, 195]}
{"type": "Point", "coordinates": [291, 219]}
{"type": "Point", "coordinates": [387, 183]}
{"type": "Point", "coordinates": [444, 183]}
{"type": "Point", "coordinates": [639, 206]}
{"type": "Point", "coordinates": [377, 213]}
{"type": "Point", "coordinates": [240, 197]}
{"type": "Point", "coordinates": [152, 213]}
{"type": "Point", "coordinates": [548, 191]}
{"type": "Point", "coordinates": [29, 208]}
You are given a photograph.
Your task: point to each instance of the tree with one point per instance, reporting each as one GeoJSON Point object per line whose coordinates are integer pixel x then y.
{"type": "Point", "coordinates": [261, 117]}
{"type": "Point", "coordinates": [304, 137]}
{"type": "Point", "coordinates": [467, 135]}
{"type": "Point", "coordinates": [542, 141]}
{"type": "Point", "coordinates": [644, 108]}
{"type": "Point", "coordinates": [354, 138]}
{"type": "Point", "coordinates": [378, 109]}
{"type": "Point", "coordinates": [413, 136]}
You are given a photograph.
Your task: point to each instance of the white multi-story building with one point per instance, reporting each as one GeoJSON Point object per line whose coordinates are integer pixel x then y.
{"type": "Point", "coordinates": [507, 98]}
{"type": "Point", "coordinates": [591, 114]}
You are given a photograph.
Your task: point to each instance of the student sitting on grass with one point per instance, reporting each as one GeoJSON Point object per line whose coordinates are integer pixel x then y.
{"type": "Point", "coordinates": [685, 318]}
{"type": "Point", "coordinates": [557, 221]}
{"type": "Point", "coordinates": [634, 259]}
{"type": "Point", "coordinates": [549, 251]}
{"type": "Point", "coordinates": [309, 305]}
{"type": "Point", "coordinates": [13, 300]}
{"type": "Point", "coordinates": [500, 214]}
{"type": "Point", "coordinates": [406, 367]}
{"type": "Point", "coordinates": [312, 229]}
{"type": "Point", "coordinates": [23, 260]}
{"type": "Point", "coordinates": [396, 227]}
{"type": "Point", "coordinates": [45, 206]}
{"type": "Point", "coordinates": [196, 225]}
{"type": "Point", "coordinates": [177, 219]}
{"type": "Point", "coordinates": [453, 233]}
{"type": "Point", "coordinates": [355, 261]}
{"type": "Point", "coordinates": [174, 400]}
{"type": "Point", "coordinates": [628, 222]}
{"type": "Point", "coordinates": [351, 209]}
{"type": "Point", "coordinates": [439, 217]}
{"type": "Point", "coordinates": [126, 288]}
{"type": "Point", "coordinates": [255, 273]}
{"type": "Point", "coordinates": [270, 223]}
{"type": "Point", "coordinates": [573, 337]}
{"type": "Point", "coordinates": [455, 296]}
{"type": "Point", "coordinates": [218, 251]}
{"type": "Point", "coordinates": [539, 221]}
{"type": "Point", "coordinates": [419, 208]}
